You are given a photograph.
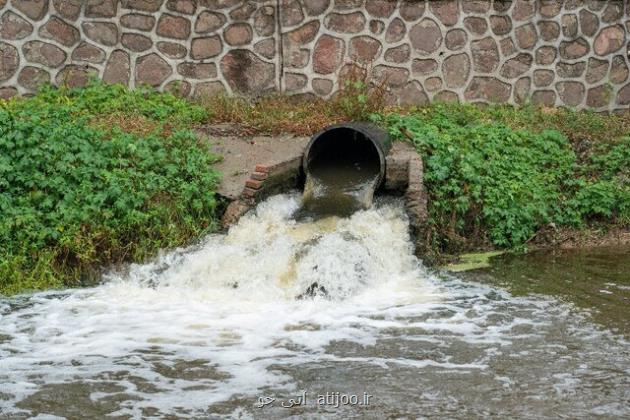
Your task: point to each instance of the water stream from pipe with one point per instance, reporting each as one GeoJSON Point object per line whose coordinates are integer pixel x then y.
{"type": "Point", "coordinates": [338, 186]}
{"type": "Point", "coordinates": [277, 308]}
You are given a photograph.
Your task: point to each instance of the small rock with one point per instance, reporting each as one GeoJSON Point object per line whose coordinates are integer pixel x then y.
{"type": "Point", "coordinates": [103, 33]}
{"type": "Point", "coordinates": [396, 31]}
{"type": "Point", "coordinates": [10, 61]}
{"type": "Point", "coordinates": [136, 42]}
{"type": "Point", "coordinates": [501, 25]}
{"type": "Point", "coordinates": [570, 93]}
{"type": "Point", "coordinates": [546, 55]}
{"type": "Point", "coordinates": [488, 89]}
{"type": "Point", "coordinates": [588, 23]}
{"type": "Point", "coordinates": [597, 70]}
{"type": "Point", "coordinates": [549, 30]}
{"type": "Point", "coordinates": [456, 39]}
{"type": "Point", "coordinates": [526, 36]}
{"type": "Point", "coordinates": [425, 36]}
{"type": "Point", "coordinates": [322, 87]}
{"type": "Point", "coordinates": [328, 54]}
{"type": "Point", "coordinates": [446, 11]}
{"type": "Point", "coordinates": [599, 96]}
{"type": "Point", "coordinates": [543, 78]}
{"type": "Point", "coordinates": [398, 54]}
{"type": "Point", "coordinates": [209, 22]}
{"type": "Point", "coordinates": [609, 40]}
{"type": "Point", "coordinates": [345, 22]}
{"type": "Point", "coordinates": [33, 9]}
{"type": "Point", "coordinates": [32, 77]}
{"type": "Point", "coordinates": [118, 68]}
{"type": "Point", "coordinates": [44, 53]}
{"type": "Point", "coordinates": [364, 49]}
{"type": "Point", "coordinates": [152, 70]}
{"type": "Point", "coordinates": [74, 76]}
{"type": "Point", "coordinates": [574, 49]}
{"type": "Point", "coordinates": [238, 34]}
{"type": "Point", "coordinates": [456, 69]}
{"type": "Point", "coordinates": [88, 53]}
{"type": "Point", "coordinates": [423, 67]}
{"type": "Point", "coordinates": [138, 22]}
{"type": "Point", "coordinates": [59, 31]}
{"type": "Point", "coordinates": [13, 27]}
{"type": "Point", "coordinates": [172, 49]}
{"type": "Point", "coordinates": [485, 55]}
{"type": "Point", "coordinates": [176, 27]}
{"type": "Point", "coordinates": [544, 97]}
{"type": "Point", "coordinates": [246, 73]}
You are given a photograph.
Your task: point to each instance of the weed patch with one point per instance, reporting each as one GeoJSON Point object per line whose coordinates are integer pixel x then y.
{"type": "Point", "coordinates": [304, 115]}
{"type": "Point", "coordinates": [96, 176]}
{"type": "Point", "coordinates": [496, 176]}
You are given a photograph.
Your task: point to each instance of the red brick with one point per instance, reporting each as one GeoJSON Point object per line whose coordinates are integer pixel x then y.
{"type": "Point", "coordinates": [263, 168]}
{"type": "Point", "coordinates": [249, 193]}
{"type": "Point", "coordinates": [254, 184]}
{"type": "Point", "coordinates": [259, 176]}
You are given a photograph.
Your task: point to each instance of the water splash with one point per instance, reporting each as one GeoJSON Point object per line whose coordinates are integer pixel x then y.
{"type": "Point", "coordinates": [206, 329]}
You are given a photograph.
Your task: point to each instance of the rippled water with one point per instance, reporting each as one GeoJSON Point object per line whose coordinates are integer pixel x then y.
{"type": "Point", "coordinates": [209, 330]}
{"type": "Point", "coordinates": [596, 280]}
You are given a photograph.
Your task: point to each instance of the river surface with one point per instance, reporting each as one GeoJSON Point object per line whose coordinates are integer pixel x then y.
{"type": "Point", "coordinates": [280, 313]}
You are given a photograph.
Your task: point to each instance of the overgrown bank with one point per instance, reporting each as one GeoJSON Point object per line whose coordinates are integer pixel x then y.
{"type": "Point", "coordinates": [97, 176]}
{"type": "Point", "coordinates": [497, 176]}
{"type": "Point", "coordinates": [101, 175]}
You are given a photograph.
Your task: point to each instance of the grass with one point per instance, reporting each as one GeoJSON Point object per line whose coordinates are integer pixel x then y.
{"type": "Point", "coordinates": [280, 114]}
{"type": "Point", "coordinates": [357, 99]}
{"type": "Point", "coordinates": [97, 176]}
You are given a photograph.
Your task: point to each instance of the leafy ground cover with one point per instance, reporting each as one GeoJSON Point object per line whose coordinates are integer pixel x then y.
{"type": "Point", "coordinates": [95, 176]}
{"type": "Point", "coordinates": [497, 175]}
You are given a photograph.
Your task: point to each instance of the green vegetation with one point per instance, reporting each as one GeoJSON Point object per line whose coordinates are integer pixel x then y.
{"type": "Point", "coordinates": [497, 175]}
{"type": "Point", "coordinates": [96, 176]}
{"type": "Point", "coordinates": [473, 261]}
{"type": "Point", "coordinates": [356, 100]}
{"type": "Point", "coordinates": [101, 175]}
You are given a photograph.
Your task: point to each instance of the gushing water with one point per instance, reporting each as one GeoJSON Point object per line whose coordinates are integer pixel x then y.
{"type": "Point", "coordinates": [338, 186]}
{"type": "Point", "coordinates": [277, 306]}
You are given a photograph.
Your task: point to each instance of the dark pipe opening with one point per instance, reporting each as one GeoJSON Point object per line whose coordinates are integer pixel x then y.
{"type": "Point", "coordinates": [351, 147]}
{"type": "Point", "coordinates": [344, 164]}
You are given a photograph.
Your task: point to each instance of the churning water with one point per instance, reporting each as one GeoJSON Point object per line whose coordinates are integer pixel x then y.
{"type": "Point", "coordinates": [278, 309]}
{"type": "Point", "coordinates": [336, 185]}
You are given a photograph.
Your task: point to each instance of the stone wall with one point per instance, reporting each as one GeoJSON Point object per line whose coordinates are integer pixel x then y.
{"type": "Point", "coordinates": [554, 52]}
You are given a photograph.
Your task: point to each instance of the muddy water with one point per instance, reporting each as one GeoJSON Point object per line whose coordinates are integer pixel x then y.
{"type": "Point", "coordinates": [597, 280]}
{"type": "Point", "coordinates": [339, 187]}
{"type": "Point", "coordinates": [235, 323]}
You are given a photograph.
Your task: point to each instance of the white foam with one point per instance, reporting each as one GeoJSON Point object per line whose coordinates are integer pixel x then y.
{"type": "Point", "coordinates": [231, 301]}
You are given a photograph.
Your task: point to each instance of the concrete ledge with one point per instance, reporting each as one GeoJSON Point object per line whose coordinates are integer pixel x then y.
{"type": "Point", "coordinates": [405, 173]}
{"type": "Point", "coordinates": [241, 154]}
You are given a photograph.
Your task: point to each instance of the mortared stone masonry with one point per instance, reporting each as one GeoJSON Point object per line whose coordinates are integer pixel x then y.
{"type": "Point", "coordinates": [552, 52]}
